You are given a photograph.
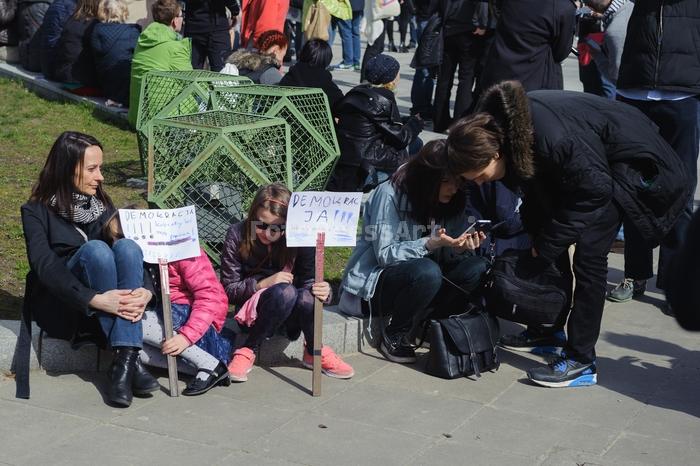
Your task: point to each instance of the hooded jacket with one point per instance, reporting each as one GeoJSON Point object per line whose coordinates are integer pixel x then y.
{"type": "Point", "coordinates": [113, 47]}
{"type": "Point", "coordinates": [160, 48]}
{"type": "Point", "coordinates": [571, 166]}
{"type": "Point", "coordinates": [259, 67]}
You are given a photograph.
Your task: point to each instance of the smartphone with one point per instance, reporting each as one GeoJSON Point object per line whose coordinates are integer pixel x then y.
{"type": "Point", "coordinates": [479, 225]}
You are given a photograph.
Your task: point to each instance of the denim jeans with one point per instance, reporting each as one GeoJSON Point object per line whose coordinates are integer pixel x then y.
{"type": "Point", "coordinates": [349, 30]}
{"type": "Point", "coordinates": [103, 269]}
{"type": "Point", "coordinates": [422, 86]}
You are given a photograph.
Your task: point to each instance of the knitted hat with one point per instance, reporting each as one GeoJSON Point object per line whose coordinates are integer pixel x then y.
{"type": "Point", "coordinates": [381, 69]}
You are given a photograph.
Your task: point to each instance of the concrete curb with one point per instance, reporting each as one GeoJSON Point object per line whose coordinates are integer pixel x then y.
{"type": "Point", "coordinates": [346, 335]}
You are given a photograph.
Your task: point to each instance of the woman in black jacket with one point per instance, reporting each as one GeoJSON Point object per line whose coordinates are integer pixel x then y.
{"type": "Point", "coordinates": [75, 276]}
{"type": "Point", "coordinates": [73, 63]}
{"type": "Point", "coordinates": [112, 45]}
{"type": "Point", "coordinates": [578, 174]}
{"type": "Point", "coordinates": [310, 71]}
{"type": "Point", "coordinates": [373, 140]}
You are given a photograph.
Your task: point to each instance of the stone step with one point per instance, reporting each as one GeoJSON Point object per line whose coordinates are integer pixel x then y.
{"type": "Point", "coordinates": [346, 335]}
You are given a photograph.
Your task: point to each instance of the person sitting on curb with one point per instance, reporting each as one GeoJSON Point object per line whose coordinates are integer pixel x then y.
{"type": "Point", "coordinates": [262, 65]}
{"type": "Point", "coordinates": [373, 140]}
{"type": "Point", "coordinates": [160, 47]}
{"type": "Point", "coordinates": [75, 277]}
{"type": "Point", "coordinates": [272, 284]}
{"type": "Point", "coordinates": [415, 253]}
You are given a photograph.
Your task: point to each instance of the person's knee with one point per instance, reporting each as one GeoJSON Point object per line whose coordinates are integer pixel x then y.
{"type": "Point", "coordinates": [127, 249]}
{"type": "Point", "coordinates": [98, 254]}
{"type": "Point", "coordinates": [428, 274]}
{"type": "Point", "coordinates": [474, 269]}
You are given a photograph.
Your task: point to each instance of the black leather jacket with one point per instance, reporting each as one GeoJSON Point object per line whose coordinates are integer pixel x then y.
{"type": "Point", "coordinates": [370, 131]}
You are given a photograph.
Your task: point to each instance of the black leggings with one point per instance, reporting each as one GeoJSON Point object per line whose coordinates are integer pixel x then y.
{"type": "Point", "coordinates": [283, 304]}
{"type": "Point", "coordinates": [403, 19]}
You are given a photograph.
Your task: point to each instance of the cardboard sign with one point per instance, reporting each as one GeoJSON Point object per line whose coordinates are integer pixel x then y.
{"type": "Point", "coordinates": [169, 234]}
{"type": "Point", "coordinates": [312, 212]}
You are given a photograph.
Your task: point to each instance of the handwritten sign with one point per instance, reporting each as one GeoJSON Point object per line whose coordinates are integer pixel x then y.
{"type": "Point", "coordinates": [169, 234]}
{"type": "Point", "coordinates": [335, 214]}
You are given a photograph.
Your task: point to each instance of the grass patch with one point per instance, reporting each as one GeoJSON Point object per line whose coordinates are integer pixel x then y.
{"type": "Point", "coordinates": [28, 127]}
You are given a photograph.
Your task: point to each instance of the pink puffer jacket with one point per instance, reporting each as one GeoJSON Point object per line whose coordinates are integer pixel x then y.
{"type": "Point", "coordinates": [194, 282]}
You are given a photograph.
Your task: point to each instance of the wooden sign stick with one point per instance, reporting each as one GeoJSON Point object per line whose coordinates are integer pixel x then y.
{"type": "Point", "coordinates": [168, 324]}
{"type": "Point", "coordinates": [318, 317]}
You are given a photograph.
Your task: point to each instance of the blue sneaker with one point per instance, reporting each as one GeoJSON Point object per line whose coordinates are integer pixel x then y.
{"type": "Point", "coordinates": [529, 341]}
{"type": "Point", "coordinates": [563, 372]}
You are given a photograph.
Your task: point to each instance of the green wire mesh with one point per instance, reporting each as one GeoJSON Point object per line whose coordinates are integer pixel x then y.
{"type": "Point", "coordinates": [171, 93]}
{"type": "Point", "coordinates": [215, 161]}
{"type": "Point", "coordinates": [314, 144]}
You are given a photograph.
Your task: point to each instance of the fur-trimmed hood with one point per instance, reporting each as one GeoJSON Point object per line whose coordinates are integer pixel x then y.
{"type": "Point", "coordinates": [509, 105]}
{"type": "Point", "coordinates": [252, 60]}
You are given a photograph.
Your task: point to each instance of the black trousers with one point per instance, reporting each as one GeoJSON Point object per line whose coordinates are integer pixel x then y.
{"type": "Point", "coordinates": [370, 52]}
{"type": "Point", "coordinates": [678, 125]}
{"type": "Point", "coordinates": [214, 45]}
{"type": "Point", "coordinates": [463, 51]}
{"type": "Point", "coordinates": [590, 269]}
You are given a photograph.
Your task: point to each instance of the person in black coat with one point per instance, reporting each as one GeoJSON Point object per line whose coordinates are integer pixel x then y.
{"type": "Point", "coordinates": [310, 71]}
{"type": "Point", "coordinates": [208, 26]}
{"type": "Point", "coordinates": [113, 43]}
{"type": "Point", "coordinates": [578, 173]}
{"type": "Point", "coordinates": [683, 292]}
{"type": "Point", "coordinates": [73, 63]}
{"type": "Point", "coordinates": [373, 139]}
{"type": "Point", "coordinates": [532, 38]}
{"type": "Point", "coordinates": [77, 282]}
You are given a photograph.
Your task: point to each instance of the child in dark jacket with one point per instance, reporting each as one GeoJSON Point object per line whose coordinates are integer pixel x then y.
{"type": "Point", "coordinates": [272, 285]}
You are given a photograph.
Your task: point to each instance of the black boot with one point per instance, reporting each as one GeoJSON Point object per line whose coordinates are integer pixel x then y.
{"type": "Point", "coordinates": [121, 375]}
{"type": "Point", "coordinates": [144, 383]}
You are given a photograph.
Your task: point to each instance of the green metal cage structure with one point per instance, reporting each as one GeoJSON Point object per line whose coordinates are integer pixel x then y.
{"type": "Point", "coordinates": [172, 93]}
{"type": "Point", "coordinates": [216, 160]}
{"type": "Point", "coordinates": [313, 138]}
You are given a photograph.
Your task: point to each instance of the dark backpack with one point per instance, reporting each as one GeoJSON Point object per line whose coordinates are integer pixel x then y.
{"type": "Point", "coordinates": [524, 289]}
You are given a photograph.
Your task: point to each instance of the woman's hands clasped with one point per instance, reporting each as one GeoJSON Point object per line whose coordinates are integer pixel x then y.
{"type": "Point", "coordinates": [127, 304]}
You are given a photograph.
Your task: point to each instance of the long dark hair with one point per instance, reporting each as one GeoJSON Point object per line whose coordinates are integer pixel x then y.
{"type": "Point", "coordinates": [274, 198]}
{"type": "Point", "coordinates": [419, 180]}
{"type": "Point", "coordinates": [56, 178]}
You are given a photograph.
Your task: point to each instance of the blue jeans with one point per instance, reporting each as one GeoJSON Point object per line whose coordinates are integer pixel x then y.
{"type": "Point", "coordinates": [103, 268]}
{"type": "Point", "coordinates": [422, 86]}
{"type": "Point", "coordinates": [349, 30]}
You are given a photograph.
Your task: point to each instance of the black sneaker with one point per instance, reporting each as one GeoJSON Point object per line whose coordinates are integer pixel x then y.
{"type": "Point", "coordinates": [563, 372]}
{"type": "Point", "coordinates": [536, 343]}
{"type": "Point", "coordinates": [396, 348]}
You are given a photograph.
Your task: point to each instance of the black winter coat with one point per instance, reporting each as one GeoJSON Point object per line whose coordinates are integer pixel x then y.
{"type": "Point", "coordinates": [661, 47]}
{"type": "Point", "coordinates": [370, 131]}
{"type": "Point", "coordinates": [303, 75]}
{"type": "Point", "coordinates": [604, 151]}
{"type": "Point", "coordinates": [532, 38]}
{"type": "Point", "coordinates": [112, 47]}
{"type": "Point", "coordinates": [73, 62]}
{"type": "Point", "coordinates": [205, 16]}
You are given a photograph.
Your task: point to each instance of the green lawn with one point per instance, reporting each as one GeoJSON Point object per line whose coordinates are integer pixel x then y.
{"type": "Point", "coordinates": [28, 127]}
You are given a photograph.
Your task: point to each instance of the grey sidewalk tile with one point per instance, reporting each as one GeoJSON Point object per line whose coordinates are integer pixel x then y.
{"type": "Point", "coordinates": [664, 419]}
{"type": "Point", "coordinates": [400, 409]}
{"type": "Point", "coordinates": [207, 419]}
{"type": "Point", "coordinates": [320, 440]}
{"type": "Point", "coordinates": [75, 394]}
{"type": "Point", "coordinates": [240, 457]}
{"type": "Point", "coordinates": [652, 450]}
{"type": "Point", "coordinates": [109, 445]}
{"type": "Point", "coordinates": [530, 434]}
{"type": "Point", "coordinates": [26, 430]}
{"type": "Point", "coordinates": [567, 457]}
{"type": "Point", "coordinates": [596, 405]}
{"type": "Point", "coordinates": [451, 452]}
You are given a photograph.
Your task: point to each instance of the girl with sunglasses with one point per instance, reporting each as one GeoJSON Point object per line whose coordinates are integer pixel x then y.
{"type": "Point", "coordinates": [272, 285]}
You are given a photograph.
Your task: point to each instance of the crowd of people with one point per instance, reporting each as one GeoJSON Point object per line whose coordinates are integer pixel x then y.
{"type": "Point", "coordinates": [515, 154]}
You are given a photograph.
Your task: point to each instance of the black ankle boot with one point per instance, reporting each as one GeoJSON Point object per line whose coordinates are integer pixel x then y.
{"type": "Point", "coordinates": [144, 383]}
{"type": "Point", "coordinates": [121, 375]}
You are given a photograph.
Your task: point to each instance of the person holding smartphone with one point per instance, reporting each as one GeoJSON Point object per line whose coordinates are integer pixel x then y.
{"type": "Point", "coordinates": [415, 256]}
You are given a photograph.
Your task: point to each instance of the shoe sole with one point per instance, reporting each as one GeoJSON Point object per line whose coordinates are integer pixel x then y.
{"type": "Point", "coordinates": [582, 381]}
{"type": "Point", "coordinates": [328, 373]}
{"type": "Point", "coordinates": [539, 350]}
{"type": "Point", "coordinates": [399, 359]}
{"type": "Point", "coordinates": [235, 378]}
{"type": "Point", "coordinates": [618, 300]}
{"type": "Point", "coordinates": [222, 380]}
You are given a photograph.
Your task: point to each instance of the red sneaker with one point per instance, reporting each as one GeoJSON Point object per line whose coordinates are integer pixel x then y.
{"type": "Point", "coordinates": [331, 364]}
{"type": "Point", "coordinates": [241, 364]}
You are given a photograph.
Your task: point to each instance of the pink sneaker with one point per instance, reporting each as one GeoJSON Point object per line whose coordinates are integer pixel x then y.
{"type": "Point", "coordinates": [331, 364]}
{"type": "Point", "coordinates": [241, 364]}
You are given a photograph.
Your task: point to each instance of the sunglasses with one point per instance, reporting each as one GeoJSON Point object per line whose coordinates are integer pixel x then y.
{"type": "Point", "coordinates": [272, 227]}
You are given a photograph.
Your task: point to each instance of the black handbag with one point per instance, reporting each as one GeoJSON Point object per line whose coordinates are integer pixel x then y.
{"type": "Point", "coordinates": [463, 345]}
{"type": "Point", "coordinates": [524, 289]}
{"type": "Point", "coordinates": [430, 45]}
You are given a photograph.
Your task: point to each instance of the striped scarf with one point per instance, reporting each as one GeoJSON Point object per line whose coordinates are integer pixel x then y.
{"type": "Point", "coordinates": [86, 209]}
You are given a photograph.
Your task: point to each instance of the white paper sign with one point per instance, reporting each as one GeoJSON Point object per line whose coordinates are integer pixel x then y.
{"type": "Point", "coordinates": [169, 234]}
{"type": "Point", "coordinates": [311, 212]}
